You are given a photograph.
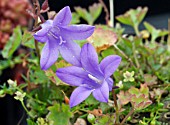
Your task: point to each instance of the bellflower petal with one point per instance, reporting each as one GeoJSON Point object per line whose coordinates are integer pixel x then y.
{"type": "Point", "coordinates": [110, 83]}
{"type": "Point", "coordinates": [109, 64]}
{"type": "Point", "coordinates": [63, 17]}
{"type": "Point", "coordinates": [77, 32]}
{"type": "Point", "coordinates": [72, 75]}
{"type": "Point", "coordinates": [89, 59]}
{"type": "Point", "coordinates": [70, 51]}
{"type": "Point", "coordinates": [102, 94]}
{"type": "Point", "coordinates": [49, 55]}
{"type": "Point", "coordinates": [89, 76]}
{"type": "Point", "coordinates": [41, 39]}
{"type": "Point", "coordinates": [64, 35]}
{"type": "Point", "coordinates": [79, 95]}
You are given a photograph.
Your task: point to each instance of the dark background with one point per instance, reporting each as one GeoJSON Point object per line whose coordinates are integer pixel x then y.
{"type": "Point", "coordinates": [158, 14]}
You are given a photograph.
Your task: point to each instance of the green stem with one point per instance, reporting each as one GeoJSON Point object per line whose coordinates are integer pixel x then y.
{"type": "Point", "coordinates": [136, 29]}
{"type": "Point", "coordinates": [22, 103]}
{"type": "Point", "coordinates": [116, 106]}
{"type": "Point", "coordinates": [126, 57]}
{"type": "Point", "coordinates": [136, 60]}
{"type": "Point", "coordinates": [38, 101]}
{"type": "Point", "coordinates": [37, 49]}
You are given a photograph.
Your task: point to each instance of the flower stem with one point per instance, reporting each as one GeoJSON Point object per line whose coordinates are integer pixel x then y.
{"type": "Point", "coordinates": [37, 49]}
{"type": "Point", "coordinates": [22, 103]}
{"type": "Point", "coordinates": [136, 60]}
{"type": "Point", "coordinates": [116, 106]}
{"type": "Point", "coordinates": [129, 114]}
{"type": "Point", "coordinates": [136, 29]}
{"type": "Point", "coordinates": [126, 57]}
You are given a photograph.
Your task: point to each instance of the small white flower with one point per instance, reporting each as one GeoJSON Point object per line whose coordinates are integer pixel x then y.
{"type": "Point", "coordinates": [128, 76]}
{"type": "Point", "coordinates": [19, 96]}
{"type": "Point", "coordinates": [120, 85]}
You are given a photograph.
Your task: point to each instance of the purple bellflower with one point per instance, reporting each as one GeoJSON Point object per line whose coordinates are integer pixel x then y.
{"type": "Point", "coordinates": [59, 36]}
{"type": "Point", "coordinates": [91, 77]}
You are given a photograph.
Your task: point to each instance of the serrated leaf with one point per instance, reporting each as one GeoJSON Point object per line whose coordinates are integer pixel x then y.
{"type": "Point", "coordinates": [133, 17]}
{"type": "Point", "coordinates": [124, 97]}
{"type": "Point", "coordinates": [134, 91]}
{"type": "Point", "coordinates": [59, 114]}
{"type": "Point", "coordinates": [75, 18]}
{"type": "Point", "coordinates": [28, 40]}
{"type": "Point", "coordinates": [83, 13]}
{"type": "Point", "coordinates": [13, 43]}
{"type": "Point", "coordinates": [124, 19]}
{"type": "Point", "coordinates": [102, 39]}
{"type": "Point", "coordinates": [144, 89]}
{"type": "Point", "coordinates": [142, 14]}
{"type": "Point", "coordinates": [91, 15]}
{"type": "Point", "coordinates": [155, 33]}
{"type": "Point", "coordinates": [95, 10]}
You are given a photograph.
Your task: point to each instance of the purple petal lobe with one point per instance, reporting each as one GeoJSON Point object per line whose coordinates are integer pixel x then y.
{"type": "Point", "coordinates": [89, 60]}
{"type": "Point", "coordinates": [102, 94]}
{"type": "Point", "coordinates": [41, 38]}
{"type": "Point", "coordinates": [79, 95]}
{"type": "Point", "coordinates": [110, 83]}
{"type": "Point", "coordinates": [70, 51]}
{"type": "Point", "coordinates": [109, 64]}
{"type": "Point", "coordinates": [77, 32]}
{"type": "Point", "coordinates": [41, 35]}
{"type": "Point", "coordinates": [47, 24]}
{"type": "Point", "coordinates": [49, 54]}
{"type": "Point", "coordinates": [63, 17]}
{"type": "Point", "coordinates": [72, 75]}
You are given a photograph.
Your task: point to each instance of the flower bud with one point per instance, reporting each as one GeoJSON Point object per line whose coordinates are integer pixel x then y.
{"type": "Point", "coordinates": [12, 83]}
{"type": "Point", "coordinates": [91, 118]}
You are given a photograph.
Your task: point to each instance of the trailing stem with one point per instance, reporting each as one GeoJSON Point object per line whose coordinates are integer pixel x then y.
{"type": "Point", "coordinates": [129, 114]}
{"type": "Point", "coordinates": [126, 57]}
{"type": "Point", "coordinates": [116, 107]}
{"type": "Point", "coordinates": [136, 60]}
{"type": "Point", "coordinates": [106, 11]}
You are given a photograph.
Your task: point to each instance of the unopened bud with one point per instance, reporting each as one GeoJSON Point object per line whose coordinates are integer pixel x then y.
{"type": "Point", "coordinates": [91, 118]}
{"type": "Point", "coordinates": [12, 83]}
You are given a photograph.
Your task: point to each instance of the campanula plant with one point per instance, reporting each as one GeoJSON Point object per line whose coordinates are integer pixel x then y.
{"type": "Point", "coordinates": [113, 79]}
{"type": "Point", "coordinates": [91, 77]}
{"type": "Point", "coordinates": [58, 36]}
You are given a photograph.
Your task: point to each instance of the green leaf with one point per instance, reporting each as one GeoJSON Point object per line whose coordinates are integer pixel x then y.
{"type": "Point", "coordinates": [13, 43]}
{"type": "Point", "coordinates": [124, 19]}
{"type": "Point", "coordinates": [59, 114]}
{"type": "Point", "coordinates": [28, 40]}
{"type": "Point", "coordinates": [133, 17]}
{"type": "Point", "coordinates": [30, 122]}
{"type": "Point", "coordinates": [75, 18]}
{"type": "Point", "coordinates": [84, 14]}
{"type": "Point", "coordinates": [91, 101]}
{"type": "Point", "coordinates": [105, 120]}
{"type": "Point", "coordinates": [91, 15]}
{"type": "Point", "coordinates": [141, 14]}
{"type": "Point", "coordinates": [95, 11]}
{"type": "Point", "coordinates": [155, 33]}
